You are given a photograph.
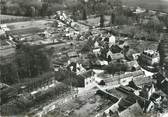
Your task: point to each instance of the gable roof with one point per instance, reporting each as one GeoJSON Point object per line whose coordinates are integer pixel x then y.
{"type": "Point", "coordinates": [124, 104]}
{"type": "Point", "coordinates": [133, 111]}
{"type": "Point", "coordinates": [72, 54]}
{"type": "Point", "coordinates": [116, 56]}
{"type": "Point", "coordinates": [132, 64]}
{"type": "Point", "coordinates": [140, 80]}
{"type": "Point", "coordinates": [138, 73]}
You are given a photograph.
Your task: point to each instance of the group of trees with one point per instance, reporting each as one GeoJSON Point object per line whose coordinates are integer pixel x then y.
{"type": "Point", "coordinates": [83, 8]}
{"type": "Point", "coordinates": [79, 8]}
{"type": "Point", "coordinates": [29, 62]}
{"type": "Point", "coordinates": [30, 7]}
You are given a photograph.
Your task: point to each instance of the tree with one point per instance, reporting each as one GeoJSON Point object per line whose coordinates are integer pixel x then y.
{"type": "Point", "coordinates": [101, 9]}
{"type": "Point", "coordinates": [31, 61]}
{"type": "Point", "coordinates": [107, 7]}
{"type": "Point", "coordinates": [88, 46]}
{"type": "Point", "coordinates": [9, 73]}
{"type": "Point", "coordinates": [78, 6]}
{"type": "Point", "coordinates": [153, 25]}
{"type": "Point", "coordinates": [115, 7]}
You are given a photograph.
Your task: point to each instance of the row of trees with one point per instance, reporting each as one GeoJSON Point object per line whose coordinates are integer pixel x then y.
{"type": "Point", "coordinates": [29, 62]}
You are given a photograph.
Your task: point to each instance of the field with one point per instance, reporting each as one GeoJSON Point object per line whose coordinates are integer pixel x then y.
{"type": "Point", "coordinates": [24, 27]}
{"type": "Point", "coordinates": [148, 4]}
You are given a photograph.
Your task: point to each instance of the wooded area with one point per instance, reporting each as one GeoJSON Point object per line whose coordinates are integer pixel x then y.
{"type": "Point", "coordinates": [29, 62]}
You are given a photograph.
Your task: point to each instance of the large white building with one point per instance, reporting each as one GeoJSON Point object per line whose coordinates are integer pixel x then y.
{"type": "Point", "coordinates": [150, 57]}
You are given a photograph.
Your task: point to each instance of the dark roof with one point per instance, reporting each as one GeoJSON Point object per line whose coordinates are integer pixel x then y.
{"type": "Point", "coordinates": [124, 104]}
{"type": "Point", "coordinates": [164, 87]}
{"type": "Point", "coordinates": [117, 93]}
{"type": "Point", "coordinates": [115, 49]}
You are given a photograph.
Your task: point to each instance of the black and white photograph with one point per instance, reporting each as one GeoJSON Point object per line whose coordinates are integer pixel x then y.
{"type": "Point", "coordinates": [83, 58]}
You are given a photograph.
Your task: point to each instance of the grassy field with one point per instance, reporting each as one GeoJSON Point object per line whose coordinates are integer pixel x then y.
{"type": "Point", "coordinates": [148, 4]}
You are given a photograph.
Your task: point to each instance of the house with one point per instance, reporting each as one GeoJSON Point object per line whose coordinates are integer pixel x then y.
{"type": "Point", "coordinates": [148, 106]}
{"type": "Point", "coordinates": [76, 67]}
{"type": "Point", "coordinates": [134, 110]}
{"type": "Point", "coordinates": [73, 56]}
{"type": "Point", "coordinates": [125, 108]}
{"type": "Point", "coordinates": [139, 10]}
{"type": "Point", "coordinates": [114, 56]}
{"type": "Point", "coordinates": [136, 56]}
{"type": "Point", "coordinates": [129, 54]}
{"type": "Point", "coordinates": [115, 49]}
{"type": "Point", "coordinates": [96, 51]}
{"type": "Point", "coordinates": [113, 108]}
{"type": "Point", "coordinates": [4, 27]}
{"type": "Point", "coordinates": [88, 77]}
{"type": "Point", "coordinates": [122, 43]}
{"type": "Point", "coordinates": [101, 62]}
{"type": "Point", "coordinates": [112, 41]}
{"type": "Point", "coordinates": [99, 81]}
{"type": "Point", "coordinates": [122, 79]}
{"type": "Point", "coordinates": [147, 91]}
{"type": "Point", "coordinates": [109, 53]}
{"type": "Point", "coordinates": [150, 57]}
{"type": "Point", "coordinates": [156, 98]}
{"type": "Point", "coordinates": [133, 65]}
{"type": "Point", "coordinates": [96, 44]}
{"type": "Point", "coordinates": [140, 81]}
{"type": "Point", "coordinates": [2, 32]}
